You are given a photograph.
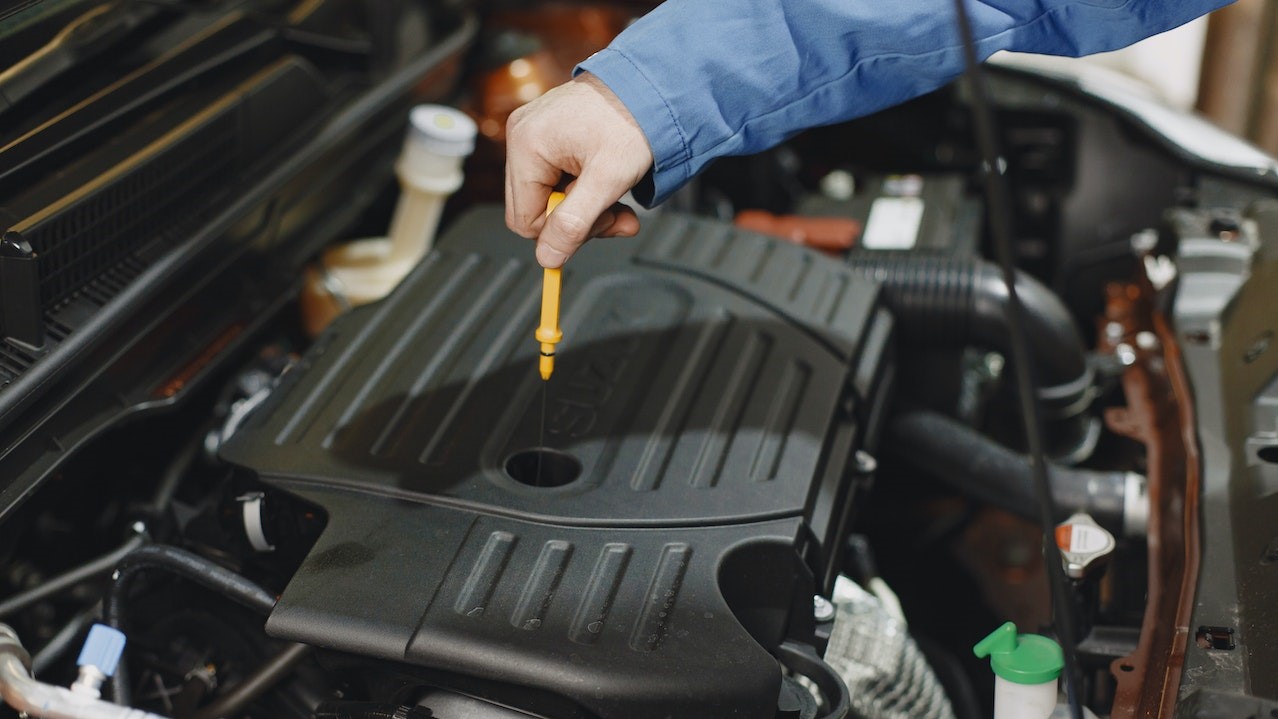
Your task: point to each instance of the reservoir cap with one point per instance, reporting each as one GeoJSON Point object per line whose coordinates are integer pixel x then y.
{"type": "Point", "coordinates": [1021, 658]}
{"type": "Point", "coordinates": [443, 130]}
{"type": "Point", "coordinates": [1084, 544]}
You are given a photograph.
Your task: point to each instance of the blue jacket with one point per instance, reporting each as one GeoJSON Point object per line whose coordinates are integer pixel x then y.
{"type": "Point", "coordinates": [708, 78]}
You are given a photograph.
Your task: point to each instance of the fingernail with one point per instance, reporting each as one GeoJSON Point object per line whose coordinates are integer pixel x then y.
{"type": "Point", "coordinates": [548, 256]}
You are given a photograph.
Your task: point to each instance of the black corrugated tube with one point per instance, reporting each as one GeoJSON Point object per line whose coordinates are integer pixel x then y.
{"type": "Point", "coordinates": [961, 301]}
{"type": "Point", "coordinates": [369, 710]}
{"type": "Point", "coordinates": [993, 474]}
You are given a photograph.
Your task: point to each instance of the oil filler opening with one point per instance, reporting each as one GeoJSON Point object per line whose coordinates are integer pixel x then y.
{"type": "Point", "coordinates": [542, 467]}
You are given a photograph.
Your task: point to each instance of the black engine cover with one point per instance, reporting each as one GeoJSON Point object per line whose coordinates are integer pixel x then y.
{"type": "Point", "coordinates": [710, 390]}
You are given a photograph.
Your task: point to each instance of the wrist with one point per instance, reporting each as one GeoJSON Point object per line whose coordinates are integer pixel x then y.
{"type": "Point", "coordinates": [645, 106]}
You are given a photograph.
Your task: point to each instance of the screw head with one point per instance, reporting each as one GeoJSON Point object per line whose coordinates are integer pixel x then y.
{"type": "Point", "coordinates": [822, 609]}
{"type": "Point", "coordinates": [864, 462]}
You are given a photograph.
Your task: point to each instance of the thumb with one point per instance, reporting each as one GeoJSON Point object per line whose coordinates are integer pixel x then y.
{"type": "Point", "coordinates": [570, 225]}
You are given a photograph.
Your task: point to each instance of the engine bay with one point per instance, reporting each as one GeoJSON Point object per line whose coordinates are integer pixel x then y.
{"type": "Point", "coordinates": [780, 470]}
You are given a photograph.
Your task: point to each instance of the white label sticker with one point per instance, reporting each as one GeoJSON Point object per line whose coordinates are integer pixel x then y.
{"type": "Point", "coordinates": [1084, 539]}
{"type": "Point", "coordinates": [893, 224]}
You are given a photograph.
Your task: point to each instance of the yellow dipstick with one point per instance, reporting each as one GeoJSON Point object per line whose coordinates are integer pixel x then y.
{"type": "Point", "coordinates": [548, 334]}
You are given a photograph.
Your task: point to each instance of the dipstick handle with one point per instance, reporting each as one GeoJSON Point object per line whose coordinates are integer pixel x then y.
{"type": "Point", "coordinates": [548, 333]}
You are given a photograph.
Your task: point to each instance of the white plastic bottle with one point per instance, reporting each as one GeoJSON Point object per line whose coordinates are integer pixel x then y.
{"type": "Point", "coordinates": [355, 273]}
{"type": "Point", "coordinates": [430, 169]}
{"type": "Point", "coordinates": [1026, 669]}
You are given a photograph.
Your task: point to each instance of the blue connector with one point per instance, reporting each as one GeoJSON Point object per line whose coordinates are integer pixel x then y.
{"type": "Point", "coordinates": [102, 649]}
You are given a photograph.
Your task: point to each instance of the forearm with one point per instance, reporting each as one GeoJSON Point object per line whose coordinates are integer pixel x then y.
{"type": "Point", "coordinates": [708, 78]}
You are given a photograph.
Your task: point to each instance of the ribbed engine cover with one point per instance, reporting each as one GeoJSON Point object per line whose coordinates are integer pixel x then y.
{"type": "Point", "coordinates": [710, 390]}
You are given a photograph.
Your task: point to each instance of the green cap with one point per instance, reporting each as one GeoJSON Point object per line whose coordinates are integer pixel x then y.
{"type": "Point", "coordinates": [1023, 658]}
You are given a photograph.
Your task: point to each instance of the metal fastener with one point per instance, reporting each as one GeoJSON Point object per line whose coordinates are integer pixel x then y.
{"type": "Point", "coordinates": [822, 608]}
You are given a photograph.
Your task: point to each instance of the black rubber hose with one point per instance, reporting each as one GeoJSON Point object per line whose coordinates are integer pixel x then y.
{"type": "Point", "coordinates": [804, 660]}
{"type": "Point", "coordinates": [268, 675]}
{"type": "Point", "coordinates": [169, 481]}
{"type": "Point", "coordinates": [957, 301]}
{"type": "Point", "coordinates": [184, 564]}
{"type": "Point", "coordinates": [991, 473]}
{"type": "Point", "coordinates": [101, 566]}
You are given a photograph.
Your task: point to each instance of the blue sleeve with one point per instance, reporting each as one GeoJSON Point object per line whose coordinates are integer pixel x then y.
{"type": "Point", "coordinates": [708, 78]}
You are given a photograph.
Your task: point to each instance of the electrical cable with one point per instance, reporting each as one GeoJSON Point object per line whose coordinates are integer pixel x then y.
{"type": "Point", "coordinates": [1000, 223]}
{"type": "Point", "coordinates": [175, 472]}
{"type": "Point", "coordinates": [63, 640]}
{"type": "Point", "coordinates": [98, 567]}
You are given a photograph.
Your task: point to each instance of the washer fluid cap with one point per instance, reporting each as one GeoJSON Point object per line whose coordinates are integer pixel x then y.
{"type": "Point", "coordinates": [443, 130]}
{"type": "Point", "coordinates": [1021, 658]}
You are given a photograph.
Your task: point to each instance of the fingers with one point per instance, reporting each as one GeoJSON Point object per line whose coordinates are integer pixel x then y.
{"type": "Point", "coordinates": [579, 129]}
{"type": "Point", "coordinates": [536, 158]}
{"type": "Point", "coordinates": [579, 216]}
{"type": "Point", "coordinates": [604, 222]}
{"type": "Point", "coordinates": [625, 223]}
{"type": "Point", "coordinates": [529, 182]}
{"type": "Point", "coordinates": [617, 221]}
{"type": "Point", "coordinates": [589, 210]}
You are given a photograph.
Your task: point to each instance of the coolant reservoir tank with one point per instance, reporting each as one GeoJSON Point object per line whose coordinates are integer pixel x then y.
{"type": "Point", "coordinates": [438, 140]}
{"type": "Point", "coordinates": [1026, 669]}
{"type": "Point", "coordinates": [429, 167]}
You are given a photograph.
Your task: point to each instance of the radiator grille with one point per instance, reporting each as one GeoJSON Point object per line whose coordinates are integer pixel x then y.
{"type": "Point", "coordinates": [104, 227]}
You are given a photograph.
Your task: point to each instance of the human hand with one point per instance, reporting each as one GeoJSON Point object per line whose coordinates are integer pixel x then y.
{"type": "Point", "coordinates": [581, 129]}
